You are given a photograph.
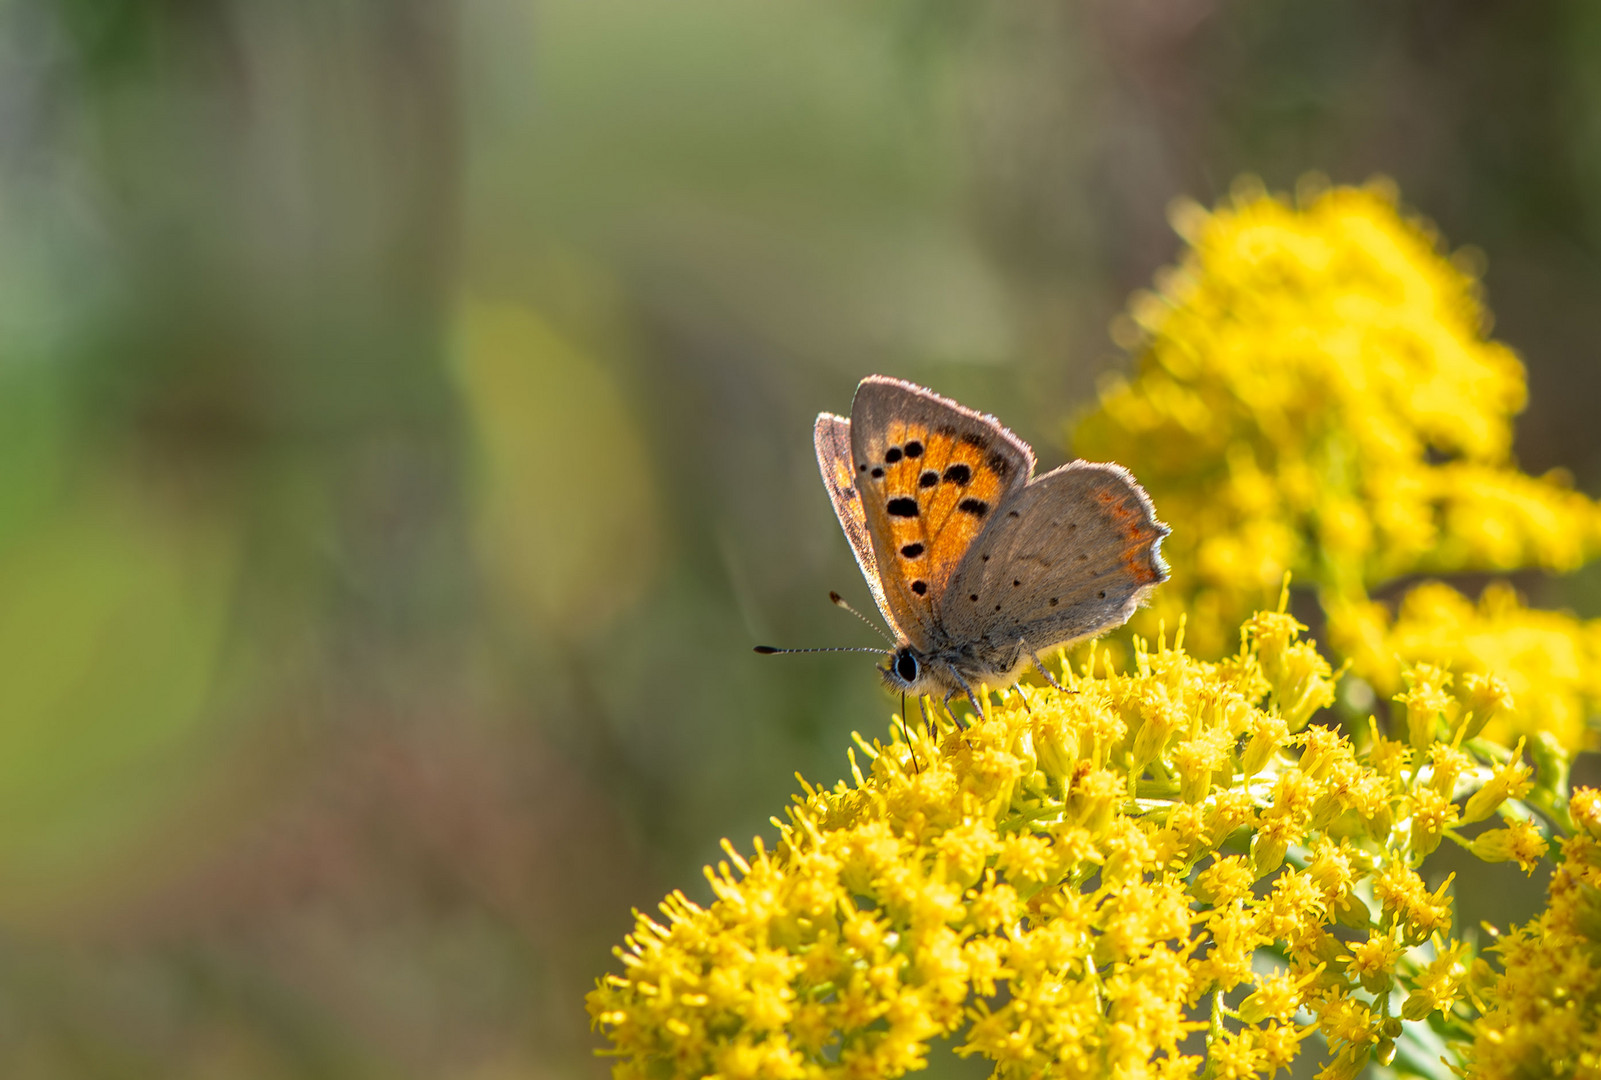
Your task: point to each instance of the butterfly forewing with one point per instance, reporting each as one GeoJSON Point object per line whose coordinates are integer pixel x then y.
{"type": "Point", "coordinates": [831, 436]}
{"type": "Point", "coordinates": [932, 475]}
{"type": "Point", "coordinates": [1069, 557]}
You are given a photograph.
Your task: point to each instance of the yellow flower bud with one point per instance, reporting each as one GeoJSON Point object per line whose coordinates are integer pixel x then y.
{"type": "Point", "coordinates": [1195, 762]}
{"type": "Point", "coordinates": [1226, 880]}
{"type": "Point", "coordinates": [1380, 821]}
{"type": "Point", "coordinates": [1094, 799]}
{"type": "Point", "coordinates": [1416, 1008]}
{"type": "Point", "coordinates": [1161, 718]}
{"type": "Point", "coordinates": [1267, 853]}
{"type": "Point", "coordinates": [1276, 997]}
{"type": "Point", "coordinates": [1448, 764]}
{"type": "Point", "coordinates": [1427, 703]}
{"type": "Point", "coordinates": [1055, 746]}
{"type": "Point", "coordinates": [1585, 807]}
{"type": "Point", "coordinates": [1269, 733]}
{"type": "Point", "coordinates": [1350, 910]}
{"type": "Point", "coordinates": [1487, 699]}
{"type": "Point", "coordinates": [1484, 802]}
{"type": "Point", "coordinates": [1322, 747]}
{"type": "Point", "coordinates": [1347, 1066]}
{"type": "Point", "coordinates": [1510, 780]}
{"type": "Point", "coordinates": [1585, 911]}
{"type": "Point", "coordinates": [1431, 813]}
{"type": "Point", "coordinates": [1328, 807]}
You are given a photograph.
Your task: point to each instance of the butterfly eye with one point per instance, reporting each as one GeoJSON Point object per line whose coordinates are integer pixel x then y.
{"type": "Point", "coordinates": [906, 667]}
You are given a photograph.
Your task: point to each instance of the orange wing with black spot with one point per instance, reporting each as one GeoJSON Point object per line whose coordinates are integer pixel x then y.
{"type": "Point", "coordinates": [931, 475]}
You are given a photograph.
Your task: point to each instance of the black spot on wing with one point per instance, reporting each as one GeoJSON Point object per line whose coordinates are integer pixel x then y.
{"type": "Point", "coordinates": [902, 507]}
{"type": "Point", "coordinates": [1053, 601]}
{"type": "Point", "coordinates": [892, 455]}
{"type": "Point", "coordinates": [928, 479]}
{"type": "Point", "coordinates": [998, 464]}
{"type": "Point", "coordinates": [914, 449]}
{"type": "Point", "coordinates": [975, 440]}
{"type": "Point", "coordinates": [977, 507]}
{"type": "Point", "coordinates": [877, 473]}
{"type": "Point", "coordinates": [959, 474]}
{"type": "Point", "coordinates": [920, 587]}
{"type": "Point", "coordinates": [912, 551]}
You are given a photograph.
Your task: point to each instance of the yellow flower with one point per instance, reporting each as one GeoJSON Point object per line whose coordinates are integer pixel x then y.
{"type": "Point", "coordinates": [1521, 842]}
{"type": "Point", "coordinates": [1314, 392]}
{"type": "Point", "coordinates": [1438, 985]}
{"type": "Point", "coordinates": [1060, 914]}
{"type": "Point", "coordinates": [1510, 780]}
{"type": "Point", "coordinates": [1428, 705]}
{"type": "Point", "coordinates": [1277, 996]}
{"type": "Point", "coordinates": [1431, 813]}
{"type": "Point", "coordinates": [1373, 961]}
{"type": "Point", "coordinates": [1543, 1015]}
{"type": "Point", "coordinates": [1545, 665]}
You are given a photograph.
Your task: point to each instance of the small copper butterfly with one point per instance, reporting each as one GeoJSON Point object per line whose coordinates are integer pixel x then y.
{"type": "Point", "coordinates": [977, 565]}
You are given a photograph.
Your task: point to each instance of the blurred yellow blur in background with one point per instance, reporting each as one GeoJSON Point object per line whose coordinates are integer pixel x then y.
{"type": "Point", "coordinates": [404, 436]}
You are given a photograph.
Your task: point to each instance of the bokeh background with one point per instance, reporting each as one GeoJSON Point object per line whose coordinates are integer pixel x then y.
{"type": "Point", "coordinates": [405, 433]}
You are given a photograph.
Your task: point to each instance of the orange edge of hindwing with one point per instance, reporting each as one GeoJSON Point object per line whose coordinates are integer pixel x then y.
{"type": "Point", "coordinates": [1140, 530]}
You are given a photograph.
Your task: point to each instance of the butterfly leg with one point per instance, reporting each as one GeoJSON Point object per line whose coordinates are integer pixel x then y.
{"type": "Point", "coordinates": [978, 709]}
{"type": "Point", "coordinates": [951, 713]}
{"type": "Point", "coordinates": [928, 721]}
{"type": "Point", "coordinates": [1034, 656]}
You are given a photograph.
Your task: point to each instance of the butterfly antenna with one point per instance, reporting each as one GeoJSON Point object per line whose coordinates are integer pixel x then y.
{"type": "Point", "coordinates": [768, 650]}
{"type": "Point", "coordinates": [839, 602]}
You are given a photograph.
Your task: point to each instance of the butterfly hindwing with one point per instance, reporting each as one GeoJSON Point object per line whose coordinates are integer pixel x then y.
{"type": "Point", "coordinates": [932, 476]}
{"type": "Point", "coordinates": [831, 436]}
{"type": "Point", "coordinates": [1069, 557]}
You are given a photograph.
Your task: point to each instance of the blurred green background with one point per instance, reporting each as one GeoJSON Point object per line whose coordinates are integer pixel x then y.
{"type": "Point", "coordinates": [405, 434]}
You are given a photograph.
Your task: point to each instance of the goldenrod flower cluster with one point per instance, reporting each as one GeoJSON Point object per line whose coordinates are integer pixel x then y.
{"type": "Point", "coordinates": [1544, 1012]}
{"type": "Point", "coordinates": [1314, 391]}
{"type": "Point", "coordinates": [1157, 873]}
{"type": "Point", "coordinates": [1174, 867]}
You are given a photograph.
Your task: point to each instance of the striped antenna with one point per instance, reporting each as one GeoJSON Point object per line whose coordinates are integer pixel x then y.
{"type": "Point", "coordinates": [768, 650]}
{"type": "Point", "coordinates": [839, 602]}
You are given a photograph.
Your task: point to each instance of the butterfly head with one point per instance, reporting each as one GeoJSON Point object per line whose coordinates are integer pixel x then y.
{"type": "Point", "coordinates": [906, 672]}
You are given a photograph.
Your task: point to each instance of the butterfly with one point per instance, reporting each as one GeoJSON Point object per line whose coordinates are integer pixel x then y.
{"type": "Point", "coordinates": [977, 565]}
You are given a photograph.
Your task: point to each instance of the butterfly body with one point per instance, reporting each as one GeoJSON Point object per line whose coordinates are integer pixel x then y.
{"type": "Point", "coordinates": [952, 670]}
{"type": "Point", "coordinates": [977, 565]}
